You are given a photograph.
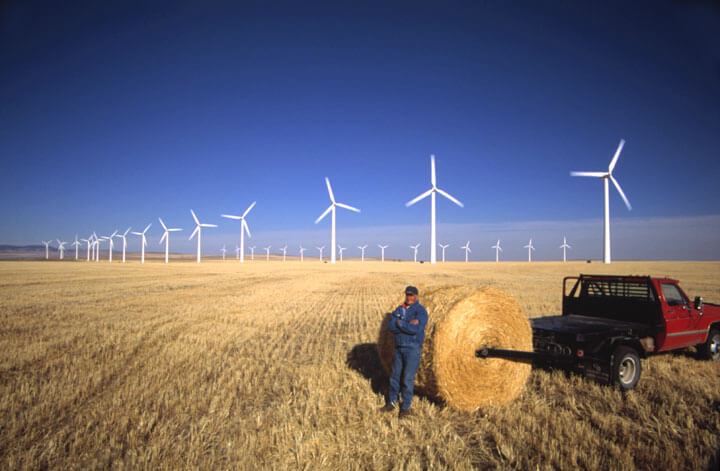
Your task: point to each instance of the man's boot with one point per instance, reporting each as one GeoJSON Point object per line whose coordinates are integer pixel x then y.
{"type": "Point", "coordinates": [404, 413]}
{"type": "Point", "coordinates": [389, 407]}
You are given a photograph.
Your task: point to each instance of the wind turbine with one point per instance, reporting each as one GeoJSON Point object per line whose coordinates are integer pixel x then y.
{"type": "Point", "coordinates": [123, 236]}
{"type": "Point", "coordinates": [607, 177]}
{"type": "Point", "coordinates": [284, 251]}
{"type": "Point", "coordinates": [237, 253]}
{"type": "Point", "coordinates": [47, 248]}
{"type": "Point", "coordinates": [382, 252]}
{"type": "Point", "coordinates": [302, 250]}
{"type": "Point", "coordinates": [467, 250]}
{"type": "Point", "coordinates": [362, 252]}
{"type": "Point", "coordinates": [76, 244]}
{"type": "Point", "coordinates": [341, 249]}
{"type": "Point", "coordinates": [321, 251]}
{"type": "Point", "coordinates": [97, 248]}
{"type": "Point", "coordinates": [530, 248]}
{"type": "Point", "coordinates": [223, 250]}
{"type": "Point", "coordinates": [415, 249]}
{"type": "Point", "coordinates": [198, 231]}
{"type": "Point", "coordinates": [243, 228]}
{"type": "Point", "coordinates": [166, 236]}
{"type": "Point", "coordinates": [61, 248]}
{"type": "Point", "coordinates": [431, 192]}
{"type": "Point", "coordinates": [331, 209]}
{"type": "Point", "coordinates": [252, 252]}
{"type": "Point", "coordinates": [498, 249]}
{"type": "Point", "coordinates": [565, 246]}
{"type": "Point", "coordinates": [267, 253]}
{"type": "Point", "coordinates": [143, 242]}
{"type": "Point", "coordinates": [443, 247]}
{"type": "Point", "coordinates": [110, 244]}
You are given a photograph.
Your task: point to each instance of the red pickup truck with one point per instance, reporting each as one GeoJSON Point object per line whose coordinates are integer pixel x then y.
{"type": "Point", "coordinates": [609, 322]}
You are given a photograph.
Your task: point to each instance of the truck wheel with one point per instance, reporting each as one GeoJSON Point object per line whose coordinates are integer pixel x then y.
{"type": "Point", "coordinates": [626, 367]}
{"type": "Point", "coordinates": [710, 350]}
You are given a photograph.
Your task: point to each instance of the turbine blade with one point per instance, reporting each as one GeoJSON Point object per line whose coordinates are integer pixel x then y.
{"type": "Point", "coordinates": [324, 214]}
{"type": "Point", "coordinates": [163, 237]}
{"type": "Point", "coordinates": [342, 205]}
{"type": "Point", "coordinates": [148, 227]}
{"type": "Point", "coordinates": [126, 232]}
{"type": "Point", "coordinates": [622, 194]}
{"type": "Point", "coordinates": [589, 174]}
{"type": "Point", "coordinates": [247, 229]}
{"type": "Point", "coordinates": [208, 225]}
{"type": "Point", "coordinates": [330, 192]}
{"type": "Point", "coordinates": [194, 216]}
{"type": "Point", "coordinates": [418, 198]}
{"type": "Point", "coordinates": [197, 228]}
{"type": "Point", "coordinates": [249, 208]}
{"type": "Point", "coordinates": [162, 224]}
{"type": "Point", "coordinates": [433, 177]}
{"type": "Point", "coordinates": [230, 216]}
{"type": "Point", "coordinates": [450, 197]}
{"type": "Point", "coordinates": [616, 156]}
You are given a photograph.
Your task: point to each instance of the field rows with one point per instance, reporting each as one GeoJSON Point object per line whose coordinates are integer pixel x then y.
{"type": "Point", "coordinates": [273, 366]}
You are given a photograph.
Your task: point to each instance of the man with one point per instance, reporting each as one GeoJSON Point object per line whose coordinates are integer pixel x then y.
{"type": "Point", "coordinates": [408, 325]}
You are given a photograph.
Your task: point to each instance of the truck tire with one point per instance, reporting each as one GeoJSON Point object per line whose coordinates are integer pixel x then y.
{"type": "Point", "coordinates": [626, 367]}
{"type": "Point", "coordinates": [710, 350]}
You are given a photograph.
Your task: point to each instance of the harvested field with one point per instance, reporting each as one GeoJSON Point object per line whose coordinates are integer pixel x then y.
{"type": "Point", "coordinates": [274, 366]}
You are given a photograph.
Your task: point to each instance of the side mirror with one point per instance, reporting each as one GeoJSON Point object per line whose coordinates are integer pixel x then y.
{"type": "Point", "coordinates": [698, 302]}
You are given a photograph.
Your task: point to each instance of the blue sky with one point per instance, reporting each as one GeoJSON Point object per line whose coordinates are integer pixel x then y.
{"type": "Point", "coordinates": [113, 115]}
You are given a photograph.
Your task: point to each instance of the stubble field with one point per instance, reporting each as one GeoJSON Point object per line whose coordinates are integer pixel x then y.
{"type": "Point", "coordinates": [273, 366]}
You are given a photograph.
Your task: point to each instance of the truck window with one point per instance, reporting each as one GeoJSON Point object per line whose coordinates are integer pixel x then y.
{"type": "Point", "coordinates": [673, 295]}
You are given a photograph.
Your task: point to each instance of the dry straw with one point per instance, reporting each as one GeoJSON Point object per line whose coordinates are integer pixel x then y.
{"type": "Point", "coordinates": [462, 320]}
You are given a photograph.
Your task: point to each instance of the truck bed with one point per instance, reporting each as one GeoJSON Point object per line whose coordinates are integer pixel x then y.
{"type": "Point", "coordinates": [575, 324]}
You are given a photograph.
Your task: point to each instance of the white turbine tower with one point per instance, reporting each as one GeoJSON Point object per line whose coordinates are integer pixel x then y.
{"type": "Point", "coordinates": [110, 244]}
{"type": "Point", "coordinates": [564, 248]}
{"type": "Point", "coordinates": [362, 252]}
{"type": "Point", "coordinates": [302, 251]}
{"type": "Point", "coordinates": [198, 231]}
{"type": "Point", "coordinates": [166, 237]}
{"type": "Point", "coordinates": [252, 252]}
{"type": "Point", "coordinates": [97, 247]}
{"type": "Point", "coordinates": [93, 245]}
{"type": "Point", "coordinates": [143, 242]}
{"type": "Point", "coordinates": [467, 250]}
{"type": "Point", "coordinates": [382, 252]}
{"type": "Point", "coordinates": [415, 249]}
{"type": "Point", "coordinates": [498, 249]}
{"type": "Point", "coordinates": [76, 244]}
{"type": "Point", "coordinates": [331, 209]}
{"type": "Point", "coordinates": [443, 247]}
{"type": "Point", "coordinates": [607, 177]}
{"type": "Point", "coordinates": [267, 253]}
{"type": "Point", "coordinates": [47, 248]}
{"type": "Point", "coordinates": [243, 229]}
{"type": "Point", "coordinates": [61, 248]}
{"type": "Point", "coordinates": [284, 251]}
{"type": "Point", "coordinates": [223, 250]}
{"type": "Point", "coordinates": [321, 251]}
{"type": "Point", "coordinates": [530, 248]}
{"type": "Point", "coordinates": [431, 192]}
{"type": "Point", "coordinates": [237, 253]}
{"type": "Point", "coordinates": [123, 236]}
{"type": "Point", "coordinates": [341, 249]}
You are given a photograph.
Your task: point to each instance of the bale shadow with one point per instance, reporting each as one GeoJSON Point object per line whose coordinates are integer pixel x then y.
{"type": "Point", "coordinates": [365, 359]}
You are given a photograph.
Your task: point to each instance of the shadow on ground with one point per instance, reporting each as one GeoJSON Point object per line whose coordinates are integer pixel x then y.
{"type": "Point", "coordinates": [365, 359]}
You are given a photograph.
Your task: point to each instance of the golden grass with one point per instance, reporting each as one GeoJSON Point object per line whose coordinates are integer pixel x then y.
{"type": "Point", "coordinates": [274, 366]}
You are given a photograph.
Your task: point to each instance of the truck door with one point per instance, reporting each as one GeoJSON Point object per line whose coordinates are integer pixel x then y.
{"type": "Point", "coordinates": [678, 315]}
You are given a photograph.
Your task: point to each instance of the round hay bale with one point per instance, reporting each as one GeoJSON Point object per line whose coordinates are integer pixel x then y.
{"type": "Point", "coordinates": [461, 321]}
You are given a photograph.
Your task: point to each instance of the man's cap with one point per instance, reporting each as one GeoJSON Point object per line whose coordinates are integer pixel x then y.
{"type": "Point", "coordinates": [411, 290]}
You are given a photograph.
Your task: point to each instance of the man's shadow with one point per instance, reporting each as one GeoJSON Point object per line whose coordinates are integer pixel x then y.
{"type": "Point", "coordinates": [365, 359]}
